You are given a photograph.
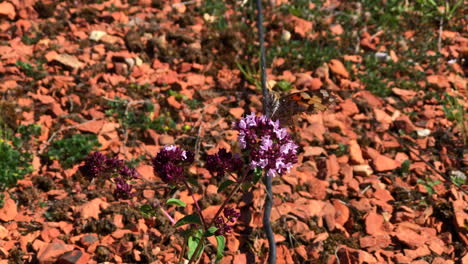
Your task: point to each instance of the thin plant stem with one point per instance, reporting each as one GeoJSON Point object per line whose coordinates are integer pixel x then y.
{"type": "Point", "coordinates": [182, 252]}
{"type": "Point", "coordinates": [198, 209]}
{"type": "Point", "coordinates": [173, 222]}
{"type": "Point", "coordinates": [195, 253]}
{"type": "Point", "coordinates": [156, 203]}
{"type": "Point", "coordinates": [234, 190]}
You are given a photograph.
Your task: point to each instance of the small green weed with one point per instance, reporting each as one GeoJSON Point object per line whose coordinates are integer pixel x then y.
{"type": "Point", "coordinates": [178, 96]}
{"type": "Point", "coordinates": [135, 161]}
{"type": "Point", "coordinates": [26, 132]}
{"type": "Point", "coordinates": [454, 111]}
{"type": "Point", "coordinates": [130, 118]}
{"type": "Point", "coordinates": [163, 123]}
{"type": "Point", "coordinates": [404, 169]}
{"type": "Point", "coordinates": [14, 165]}
{"type": "Point", "coordinates": [15, 160]}
{"type": "Point", "coordinates": [382, 76]}
{"type": "Point", "coordinates": [140, 119]}
{"type": "Point", "coordinates": [429, 185]}
{"type": "Point", "coordinates": [284, 85]}
{"type": "Point", "coordinates": [452, 108]}
{"type": "Point", "coordinates": [300, 8]}
{"type": "Point", "coordinates": [249, 74]}
{"type": "Point", "coordinates": [71, 150]}
{"type": "Point", "coordinates": [193, 103]}
{"type": "Point", "coordinates": [436, 9]}
{"type": "Point", "coordinates": [388, 15]}
{"type": "Point", "coordinates": [342, 149]}
{"type": "Point", "coordinates": [216, 9]}
{"type": "Point", "coordinates": [458, 178]}
{"type": "Point", "coordinates": [140, 89]}
{"type": "Point", "coordinates": [31, 40]}
{"type": "Point", "coordinates": [36, 72]}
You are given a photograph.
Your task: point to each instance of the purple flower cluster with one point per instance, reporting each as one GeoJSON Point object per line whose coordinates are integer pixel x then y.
{"type": "Point", "coordinates": [225, 224]}
{"type": "Point", "coordinates": [98, 164]}
{"type": "Point", "coordinates": [123, 190]}
{"type": "Point", "coordinates": [95, 164]}
{"type": "Point", "coordinates": [170, 162]}
{"type": "Point", "coordinates": [223, 162]}
{"type": "Point", "coordinates": [271, 146]}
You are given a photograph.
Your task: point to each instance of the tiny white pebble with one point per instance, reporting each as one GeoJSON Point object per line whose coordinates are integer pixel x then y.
{"type": "Point", "coordinates": [423, 132]}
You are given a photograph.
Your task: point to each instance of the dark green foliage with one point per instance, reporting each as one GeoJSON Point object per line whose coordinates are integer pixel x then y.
{"type": "Point", "coordinates": [26, 131]}
{"type": "Point", "coordinates": [14, 165]}
{"type": "Point", "coordinates": [34, 71]}
{"type": "Point", "coordinates": [71, 150]}
{"type": "Point", "coordinates": [139, 118]}
{"type": "Point", "coordinates": [284, 85]}
{"type": "Point", "coordinates": [31, 39]}
{"type": "Point", "coordinates": [216, 9]}
{"type": "Point", "coordinates": [15, 161]}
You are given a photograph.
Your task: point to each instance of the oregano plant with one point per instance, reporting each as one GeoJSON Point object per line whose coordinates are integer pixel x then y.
{"type": "Point", "coordinates": [267, 148]}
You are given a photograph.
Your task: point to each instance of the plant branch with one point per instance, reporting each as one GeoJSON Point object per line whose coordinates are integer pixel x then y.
{"type": "Point", "coordinates": [156, 203]}
{"type": "Point", "coordinates": [182, 252]}
{"type": "Point", "coordinates": [198, 209]}
{"type": "Point", "coordinates": [233, 191]}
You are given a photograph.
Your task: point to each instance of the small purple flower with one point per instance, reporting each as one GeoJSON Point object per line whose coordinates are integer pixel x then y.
{"type": "Point", "coordinates": [98, 164]}
{"type": "Point", "coordinates": [128, 173]}
{"type": "Point", "coordinates": [223, 162]}
{"type": "Point", "coordinates": [123, 190]}
{"type": "Point", "coordinates": [271, 146]}
{"type": "Point", "coordinates": [231, 214]}
{"type": "Point", "coordinates": [169, 163]}
{"type": "Point", "coordinates": [114, 163]}
{"type": "Point", "coordinates": [225, 225]}
{"type": "Point", "coordinates": [95, 164]}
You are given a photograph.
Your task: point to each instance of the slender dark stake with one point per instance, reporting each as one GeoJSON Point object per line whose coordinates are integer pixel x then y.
{"type": "Point", "coordinates": [267, 112]}
{"type": "Point", "coordinates": [266, 221]}
{"type": "Point", "coordinates": [263, 76]}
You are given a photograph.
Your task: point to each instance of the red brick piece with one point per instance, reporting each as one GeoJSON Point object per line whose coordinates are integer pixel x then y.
{"type": "Point", "coordinates": [48, 254]}
{"type": "Point", "coordinates": [74, 257]}
{"type": "Point", "coordinates": [88, 239]}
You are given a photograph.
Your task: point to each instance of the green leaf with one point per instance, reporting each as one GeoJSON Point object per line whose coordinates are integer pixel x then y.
{"type": "Point", "coordinates": [176, 202]}
{"type": "Point", "coordinates": [193, 181]}
{"type": "Point", "coordinates": [189, 219]}
{"type": "Point", "coordinates": [221, 240]}
{"type": "Point", "coordinates": [193, 242]}
{"type": "Point", "coordinates": [246, 186]}
{"type": "Point", "coordinates": [147, 210]}
{"type": "Point", "coordinates": [225, 184]}
{"type": "Point", "coordinates": [211, 231]}
{"type": "Point", "coordinates": [258, 172]}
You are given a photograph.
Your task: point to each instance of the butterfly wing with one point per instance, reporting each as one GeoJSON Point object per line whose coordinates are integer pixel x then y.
{"type": "Point", "coordinates": [301, 102]}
